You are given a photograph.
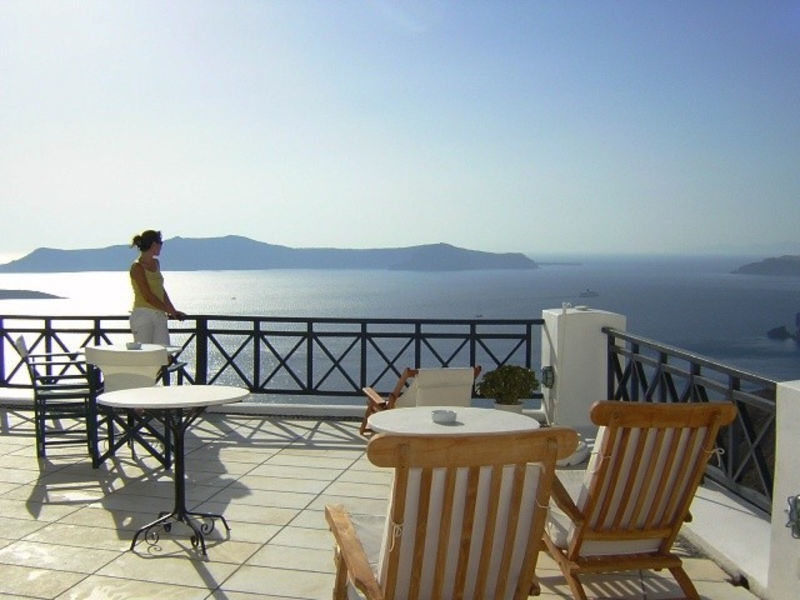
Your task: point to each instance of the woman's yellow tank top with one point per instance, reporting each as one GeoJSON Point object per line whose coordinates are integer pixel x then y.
{"type": "Point", "coordinates": [156, 282]}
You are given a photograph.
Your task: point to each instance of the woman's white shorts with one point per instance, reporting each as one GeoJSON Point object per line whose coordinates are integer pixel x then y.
{"type": "Point", "coordinates": [149, 326]}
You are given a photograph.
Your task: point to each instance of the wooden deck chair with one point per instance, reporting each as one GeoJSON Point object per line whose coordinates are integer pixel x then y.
{"type": "Point", "coordinates": [647, 462]}
{"type": "Point", "coordinates": [61, 396]}
{"type": "Point", "coordinates": [465, 517]}
{"type": "Point", "coordinates": [424, 387]}
{"type": "Point", "coordinates": [122, 371]}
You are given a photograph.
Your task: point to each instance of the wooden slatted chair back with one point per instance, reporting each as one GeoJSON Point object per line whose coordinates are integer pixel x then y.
{"type": "Point", "coordinates": [466, 514]}
{"type": "Point", "coordinates": [647, 463]}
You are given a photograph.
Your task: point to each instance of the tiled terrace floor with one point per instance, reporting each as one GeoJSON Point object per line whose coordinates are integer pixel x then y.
{"type": "Point", "coordinates": [65, 529]}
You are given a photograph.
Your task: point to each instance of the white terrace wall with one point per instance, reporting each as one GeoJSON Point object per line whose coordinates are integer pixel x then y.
{"type": "Point", "coordinates": [783, 581]}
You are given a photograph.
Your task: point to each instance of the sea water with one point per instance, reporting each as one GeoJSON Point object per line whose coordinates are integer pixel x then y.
{"type": "Point", "coordinates": [695, 303]}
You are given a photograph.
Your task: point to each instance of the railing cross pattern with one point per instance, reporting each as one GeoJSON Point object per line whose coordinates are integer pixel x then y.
{"type": "Point", "coordinates": [230, 359]}
{"type": "Point", "coordinates": [282, 361]}
{"type": "Point", "coordinates": [445, 361]}
{"type": "Point", "coordinates": [491, 354]}
{"type": "Point", "coordinates": [336, 362]}
{"type": "Point", "coordinates": [390, 362]}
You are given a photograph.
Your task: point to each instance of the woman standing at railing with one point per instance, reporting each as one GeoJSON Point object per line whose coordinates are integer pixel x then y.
{"type": "Point", "coordinates": [151, 303]}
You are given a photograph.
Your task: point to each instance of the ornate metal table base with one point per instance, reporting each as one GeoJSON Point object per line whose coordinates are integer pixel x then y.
{"type": "Point", "coordinates": [178, 421]}
{"type": "Point", "coordinates": [200, 526]}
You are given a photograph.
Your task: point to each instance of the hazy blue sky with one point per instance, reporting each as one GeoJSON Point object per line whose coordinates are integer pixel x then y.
{"type": "Point", "coordinates": [542, 127]}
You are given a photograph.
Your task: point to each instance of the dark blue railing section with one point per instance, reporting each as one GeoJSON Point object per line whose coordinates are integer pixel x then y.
{"type": "Point", "coordinates": [330, 357]}
{"type": "Point", "coordinates": [642, 370]}
{"type": "Point", "coordinates": [326, 357]}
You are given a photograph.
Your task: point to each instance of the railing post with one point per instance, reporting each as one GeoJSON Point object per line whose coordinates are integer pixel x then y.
{"type": "Point", "coordinates": [695, 372]}
{"type": "Point", "coordinates": [48, 335]}
{"type": "Point", "coordinates": [610, 357]}
{"type": "Point", "coordinates": [529, 346]}
{"type": "Point", "coordinates": [309, 355]}
{"type": "Point", "coordinates": [363, 359]}
{"type": "Point", "coordinates": [661, 384]}
{"type": "Point", "coordinates": [634, 373]}
{"type": "Point", "coordinates": [417, 345]}
{"type": "Point", "coordinates": [256, 354]}
{"type": "Point", "coordinates": [3, 353]}
{"type": "Point", "coordinates": [96, 332]}
{"type": "Point", "coordinates": [201, 353]}
{"type": "Point", "coordinates": [473, 334]}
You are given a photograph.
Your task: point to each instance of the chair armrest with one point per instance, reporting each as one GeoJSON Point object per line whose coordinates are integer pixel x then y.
{"type": "Point", "coordinates": [563, 500]}
{"type": "Point", "coordinates": [73, 380]}
{"type": "Point", "coordinates": [374, 398]}
{"type": "Point", "coordinates": [71, 355]}
{"type": "Point", "coordinates": [43, 360]}
{"type": "Point", "coordinates": [352, 552]}
{"type": "Point", "coordinates": [175, 366]}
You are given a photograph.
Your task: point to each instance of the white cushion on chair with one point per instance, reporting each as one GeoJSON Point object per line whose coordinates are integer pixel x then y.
{"type": "Point", "coordinates": [369, 529]}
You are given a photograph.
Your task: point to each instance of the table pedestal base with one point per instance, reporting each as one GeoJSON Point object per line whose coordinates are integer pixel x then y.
{"type": "Point", "coordinates": [200, 523]}
{"type": "Point", "coordinates": [177, 422]}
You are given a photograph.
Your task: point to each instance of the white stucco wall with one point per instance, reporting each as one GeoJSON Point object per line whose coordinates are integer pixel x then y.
{"type": "Point", "coordinates": [784, 553]}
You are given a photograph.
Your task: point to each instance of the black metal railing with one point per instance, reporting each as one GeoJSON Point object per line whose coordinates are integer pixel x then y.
{"type": "Point", "coordinates": [326, 358]}
{"type": "Point", "coordinates": [319, 357]}
{"type": "Point", "coordinates": [642, 370]}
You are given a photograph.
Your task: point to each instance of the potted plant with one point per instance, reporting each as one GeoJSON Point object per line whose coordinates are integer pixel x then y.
{"type": "Point", "coordinates": [507, 385]}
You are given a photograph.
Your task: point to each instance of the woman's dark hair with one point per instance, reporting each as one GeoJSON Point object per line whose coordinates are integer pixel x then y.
{"type": "Point", "coordinates": [146, 239]}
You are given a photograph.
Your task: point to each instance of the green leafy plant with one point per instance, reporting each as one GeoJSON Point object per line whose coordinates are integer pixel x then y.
{"type": "Point", "coordinates": [507, 384]}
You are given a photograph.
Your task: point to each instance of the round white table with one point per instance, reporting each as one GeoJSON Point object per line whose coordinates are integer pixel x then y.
{"type": "Point", "coordinates": [418, 420]}
{"type": "Point", "coordinates": [177, 407]}
{"type": "Point", "coordinates": [177, 397]}
{"type": "Point", "coordinates": [124, 348]}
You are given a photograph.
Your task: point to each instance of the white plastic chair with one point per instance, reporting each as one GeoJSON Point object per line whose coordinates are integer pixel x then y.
{"type": "Point", "coordinates": [126, 370]}
{"type": "Point", "coordinates": [121, 371]}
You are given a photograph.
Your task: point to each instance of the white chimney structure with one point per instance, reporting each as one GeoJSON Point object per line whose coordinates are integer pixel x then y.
{"type": "Point", "coordinates": [576, 348]}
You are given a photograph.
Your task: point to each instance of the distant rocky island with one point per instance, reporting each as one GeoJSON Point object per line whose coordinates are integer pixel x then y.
{"type": "Point", "coordinates": [786, 265]}
{"type": "Point", "coordinates": [780, 265]}
{"type": "Point", "coordinates": [26, 295]}
{"type": "Point", "coordinates": [241, 253]}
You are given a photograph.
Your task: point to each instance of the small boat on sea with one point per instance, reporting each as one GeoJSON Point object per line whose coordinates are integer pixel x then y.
{"type": "Point", "coordinates": [587, 293]}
